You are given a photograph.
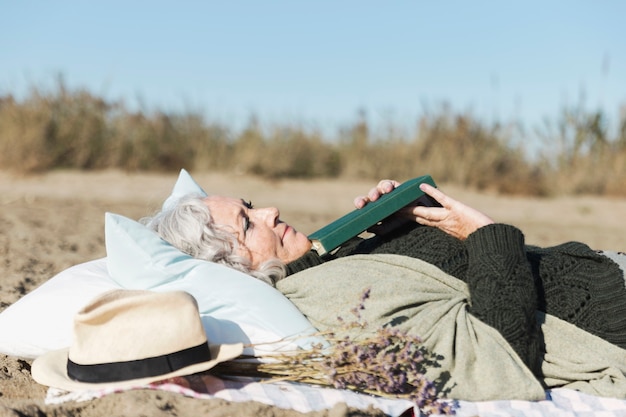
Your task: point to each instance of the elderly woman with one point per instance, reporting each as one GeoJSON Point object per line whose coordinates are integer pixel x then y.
{"type": "Point", "coordinates": [508, 281]}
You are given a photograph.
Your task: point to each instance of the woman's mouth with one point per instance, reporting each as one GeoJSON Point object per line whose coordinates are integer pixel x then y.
{"type": "Point", "coordinates": [287, 227]}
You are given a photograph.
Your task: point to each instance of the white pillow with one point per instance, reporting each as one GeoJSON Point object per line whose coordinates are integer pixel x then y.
{"type": "Point", "coordinates": [234, 306]}
{"type": "Point", "coordinates": [42, 320]}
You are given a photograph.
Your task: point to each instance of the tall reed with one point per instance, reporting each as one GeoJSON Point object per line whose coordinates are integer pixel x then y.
{"type": "Point", "coordinates": [63, 128]}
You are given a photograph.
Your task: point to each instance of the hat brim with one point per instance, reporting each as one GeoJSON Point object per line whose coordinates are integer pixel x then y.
{"type": "Point", "coordinates": [50, 369]}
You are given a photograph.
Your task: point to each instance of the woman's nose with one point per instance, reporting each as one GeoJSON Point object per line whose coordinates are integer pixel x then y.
{"type": "Point", "coordinates": [270, 215]}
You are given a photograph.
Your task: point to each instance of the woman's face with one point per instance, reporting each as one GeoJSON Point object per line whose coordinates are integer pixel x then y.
{"type": "Point", "coordinates": [260, 232]}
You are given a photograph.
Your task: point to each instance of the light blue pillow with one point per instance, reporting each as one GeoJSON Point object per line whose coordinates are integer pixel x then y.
{"type": "Point", "coordinates": [235, 307]}
{"type": "Point", "coordinates": [185, 184]}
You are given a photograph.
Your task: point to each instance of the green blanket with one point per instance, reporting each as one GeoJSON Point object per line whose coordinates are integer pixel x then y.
{"type": "Point", "coordinates": [477, 363]}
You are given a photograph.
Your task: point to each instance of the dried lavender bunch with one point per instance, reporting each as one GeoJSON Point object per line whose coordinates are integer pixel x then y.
{"type": "Point", "coordinates": [388, 363]}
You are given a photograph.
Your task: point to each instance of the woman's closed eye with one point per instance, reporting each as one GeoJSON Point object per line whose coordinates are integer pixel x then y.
{"type": "Point", "coordinates": [247, 224]}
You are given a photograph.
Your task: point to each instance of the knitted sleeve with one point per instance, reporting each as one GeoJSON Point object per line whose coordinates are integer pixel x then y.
{"type": "Point", "coordinates": [502, 288]}
{"type": "Point", "coordinates": [581, 287]}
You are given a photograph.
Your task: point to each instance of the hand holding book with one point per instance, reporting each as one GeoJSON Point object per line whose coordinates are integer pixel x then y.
{"type": "Point", "coordinates": [452, 217]}
{"type": "Point", "coordinates": [357, 221]}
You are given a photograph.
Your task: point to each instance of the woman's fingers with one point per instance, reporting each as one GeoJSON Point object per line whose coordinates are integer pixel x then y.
{"type": "Point", "coordinates": [437, 194]}
{"type": "Point", "coordinates": [383, 187]}
{"type": "Point", "coordinates": [387, 186]}
{"type": "Point", "coordinates": [361, 201]}
{"type": "Point", "coordinates": [454, 217]}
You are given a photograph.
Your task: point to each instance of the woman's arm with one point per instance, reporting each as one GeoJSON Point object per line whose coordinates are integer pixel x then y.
{"type": "Point", "coordinates": [502, 289]}
{"type": "Point", "coordinates": [498, 275]}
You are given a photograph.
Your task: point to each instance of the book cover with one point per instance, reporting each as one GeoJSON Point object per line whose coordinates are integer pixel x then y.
{"type": "Point", "coordinates": [357, 221]}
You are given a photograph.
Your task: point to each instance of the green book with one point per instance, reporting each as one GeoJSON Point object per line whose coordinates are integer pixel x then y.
{"type": "Point", "coordinates": [357, 221]}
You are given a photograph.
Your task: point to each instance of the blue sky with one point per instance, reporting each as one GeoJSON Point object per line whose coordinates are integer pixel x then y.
{"type": "Point", "coordinates": [318, 63]}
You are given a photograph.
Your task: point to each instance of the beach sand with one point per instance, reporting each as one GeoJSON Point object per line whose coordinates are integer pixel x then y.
{"type": "Point", "coordinates": [52, 221]}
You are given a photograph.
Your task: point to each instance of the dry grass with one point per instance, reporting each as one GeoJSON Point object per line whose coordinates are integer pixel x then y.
{"type": "Point", "coordinates": [75, 129]}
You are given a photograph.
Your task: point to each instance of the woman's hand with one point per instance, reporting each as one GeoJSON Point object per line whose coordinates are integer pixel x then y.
{"type": "Point", "coordinates": [454, 217]}
{"type": "Point", "coordinates": [383, 187]}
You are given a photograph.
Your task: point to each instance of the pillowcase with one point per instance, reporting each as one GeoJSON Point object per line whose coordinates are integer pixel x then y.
{"type": "Point", "coordinates": [234, 307]}
{"type": "Point", "coordinates": [42, 320]}
{"type": "Point", "coordinates": [184, 185]}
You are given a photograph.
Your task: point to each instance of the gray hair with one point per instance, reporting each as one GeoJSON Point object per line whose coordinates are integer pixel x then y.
{"type": "Point", "coordinates": [190, 227]}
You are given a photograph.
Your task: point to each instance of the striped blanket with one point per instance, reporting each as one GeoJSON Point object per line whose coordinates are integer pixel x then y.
{"type": "Point", "coordinates": [305, 398]}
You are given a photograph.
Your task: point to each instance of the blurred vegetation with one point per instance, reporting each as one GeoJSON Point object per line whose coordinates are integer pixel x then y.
{"type": "Point", "coordinates": [74, 129]}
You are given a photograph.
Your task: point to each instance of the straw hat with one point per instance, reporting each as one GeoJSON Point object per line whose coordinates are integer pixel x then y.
{"type": "Point", "coordinates": [127, 338]}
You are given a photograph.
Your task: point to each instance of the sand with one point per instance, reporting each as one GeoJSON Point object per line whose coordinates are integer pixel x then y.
{"type": "Point", "coordinates": [52, 221]}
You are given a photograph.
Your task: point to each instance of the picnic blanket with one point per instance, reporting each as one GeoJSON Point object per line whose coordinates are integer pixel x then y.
{"type": "Point", "coordinates": [560, 402]}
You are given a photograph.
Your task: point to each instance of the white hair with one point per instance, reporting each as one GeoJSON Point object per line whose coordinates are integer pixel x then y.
{"type": "Point", "coordinates": [190, 227]}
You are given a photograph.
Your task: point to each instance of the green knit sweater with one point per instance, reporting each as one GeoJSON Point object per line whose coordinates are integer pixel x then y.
{"type": "Point", "coordinates": [508, 280]}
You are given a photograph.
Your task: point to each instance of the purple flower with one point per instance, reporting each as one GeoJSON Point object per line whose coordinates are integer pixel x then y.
{"type": "Point", "coordinates": [388, 362]}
